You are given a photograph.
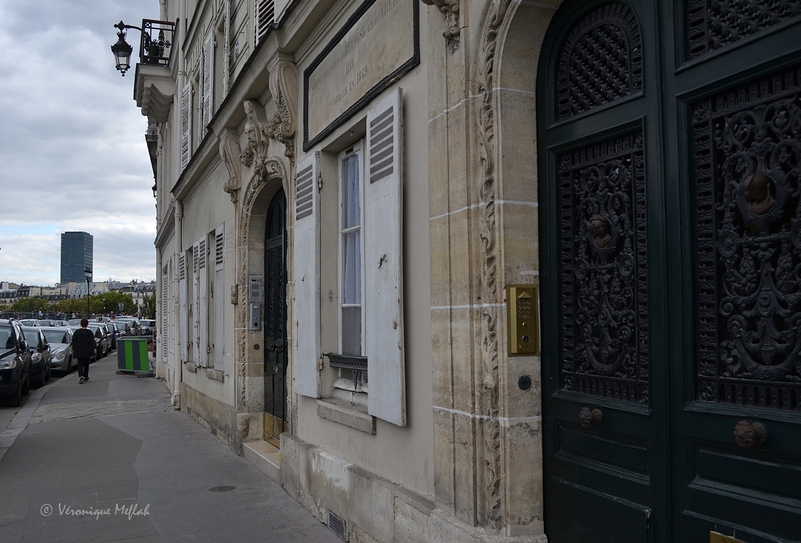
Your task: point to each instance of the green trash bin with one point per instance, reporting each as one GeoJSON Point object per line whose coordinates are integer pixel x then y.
{"type": "Point", "coordinates": [132, 354]}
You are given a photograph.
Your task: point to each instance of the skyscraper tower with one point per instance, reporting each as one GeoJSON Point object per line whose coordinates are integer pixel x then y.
{"type": "Point", "coordinates": [77, 252]}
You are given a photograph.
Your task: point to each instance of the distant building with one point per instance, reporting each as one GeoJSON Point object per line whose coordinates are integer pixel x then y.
{"type": "Point", "coordinates": [76, 255]}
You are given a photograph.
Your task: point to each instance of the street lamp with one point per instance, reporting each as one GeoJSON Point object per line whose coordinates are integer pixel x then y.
{"type": "Point", "coordinates": [153, 47]}
{"type": "Point", "coordinates": [88, 274]}
{"type": "Point", "coordinates": [121, 49]}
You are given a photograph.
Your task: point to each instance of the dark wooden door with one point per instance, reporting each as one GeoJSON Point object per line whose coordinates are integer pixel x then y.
{"type": "Point", "coordinates": [671, 271]}
{"type": "Point", "coordinates": [275, 340]}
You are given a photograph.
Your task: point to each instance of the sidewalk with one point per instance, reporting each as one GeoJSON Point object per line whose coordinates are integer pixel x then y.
{"type": "Point", "coordinates": [110, 460]}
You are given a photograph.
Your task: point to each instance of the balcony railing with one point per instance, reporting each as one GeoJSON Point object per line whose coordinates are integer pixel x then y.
{"type": "Point", "coordinates": [157, 38]}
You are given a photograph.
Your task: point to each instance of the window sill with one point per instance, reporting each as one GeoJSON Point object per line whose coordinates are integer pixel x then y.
{"type": "Point", "coordinates": [346, 413]}
{"type": "Point", "coordinates": [190, 367]}
{"type": "Point", "coordinates": [217, 375]}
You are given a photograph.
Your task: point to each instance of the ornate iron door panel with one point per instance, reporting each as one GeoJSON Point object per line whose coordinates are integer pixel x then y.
{"type": "Point", "coordinates": [275, 340]}
{"type": "Point", "coordinates": [604, 457]}
{"type": "Point", "coordinates": [741, 424]}
{"type": "Point", "coordinates": [670, 213]}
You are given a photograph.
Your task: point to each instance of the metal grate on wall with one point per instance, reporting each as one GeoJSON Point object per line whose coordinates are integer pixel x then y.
{"type": "Point", "coordinates": [337, 525]}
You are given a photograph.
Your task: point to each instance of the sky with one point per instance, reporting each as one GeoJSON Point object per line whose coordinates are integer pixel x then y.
{"type": "Point", "coordinates": [72, 141]}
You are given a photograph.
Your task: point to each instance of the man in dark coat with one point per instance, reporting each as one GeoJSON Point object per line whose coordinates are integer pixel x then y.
{"type": "Point", "coordinates": [83, 348]}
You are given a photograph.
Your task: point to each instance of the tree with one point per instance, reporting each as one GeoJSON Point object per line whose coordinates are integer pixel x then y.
{"type": "Point", "coordinates": [149, 306]}
{"type": "Point", "coordinates": [31, 305]}
{"type": "Point", "coordinates": [111, 302]}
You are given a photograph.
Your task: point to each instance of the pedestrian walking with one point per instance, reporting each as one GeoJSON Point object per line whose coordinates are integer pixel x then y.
{"type": "Point", "coordinates": [83, 348]}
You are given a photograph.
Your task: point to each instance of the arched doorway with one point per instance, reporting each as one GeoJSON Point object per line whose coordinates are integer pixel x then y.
{"type": "Point", "coordinates": [670, 147]}
{"type": "Point", "coordinates": [275, 313]}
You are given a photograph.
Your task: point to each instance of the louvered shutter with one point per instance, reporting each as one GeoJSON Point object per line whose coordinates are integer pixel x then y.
{"type": "Point", "coordinates": [265, 13]}
{"type": "Point", "coordinates": [203, 305]}
{"type": "Point", "coordinates": [183, 295]}
{"type": "Point", "coordinates": [195, 309]}
{"type": "Point", "coordinates": [186, 125]}
{"type": "Point", "coordinates": [162, 334]}
{"type": "Point", "coordinates": [383, 262]}
{"type": "Point", "coordinates": [306, 278]}
{"type": "Point", "coordinates": [219, 297]}
{"type": "Point", "coordinates": [208, 80]}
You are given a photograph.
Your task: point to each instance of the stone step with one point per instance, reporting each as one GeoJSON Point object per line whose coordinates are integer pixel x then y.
{"type": "Point", "coordinates": [266, 458]}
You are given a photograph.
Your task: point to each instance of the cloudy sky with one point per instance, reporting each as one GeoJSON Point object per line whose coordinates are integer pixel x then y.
{"type": "Point", "coordinates": [72, 147]}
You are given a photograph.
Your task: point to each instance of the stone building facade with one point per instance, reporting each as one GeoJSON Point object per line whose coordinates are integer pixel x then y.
{"type": "Point", "coordinates": [410, 263]}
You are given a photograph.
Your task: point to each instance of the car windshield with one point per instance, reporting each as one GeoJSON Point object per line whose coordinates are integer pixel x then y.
{"type": "Point", "coordinates": [57, 336]}
{"type": "Point", "coordinates": [31, 336]}
{"type": "Point", "coordinates": [6, 339]}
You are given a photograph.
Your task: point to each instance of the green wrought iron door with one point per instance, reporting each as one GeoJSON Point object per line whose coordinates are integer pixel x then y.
{"type": "Point", "coordinates": [671, 270]}
{"type": "Point", "coordinates": [275, 340]}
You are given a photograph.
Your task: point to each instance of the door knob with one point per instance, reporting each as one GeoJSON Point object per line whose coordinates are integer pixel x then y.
{"type": "Point", "coordinates": [750, 435]}
{"type": "Point", "coordinates": [590, 417]}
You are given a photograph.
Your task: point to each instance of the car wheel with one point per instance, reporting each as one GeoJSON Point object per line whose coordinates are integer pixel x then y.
{"type": "Point", "coordinates": [16, 399]}
{"type": "Point", "coordinates": [49, 374]}
{"type": "Point", "coordinates": [27, 386]}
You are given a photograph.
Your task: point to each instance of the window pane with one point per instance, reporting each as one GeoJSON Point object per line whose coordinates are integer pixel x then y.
{"type": "Point", "coordinates": [351, 209]}
{"type": "Point", "coordinates": [351, 268]}
{"type": "Point", "coordinates": [352, 330]}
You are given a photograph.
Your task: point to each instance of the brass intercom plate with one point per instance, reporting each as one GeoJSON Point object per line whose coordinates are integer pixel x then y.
{"type": "Point", "coordinates": [523, 316]}
{"type": "Point", "coordinates": [715, 537]}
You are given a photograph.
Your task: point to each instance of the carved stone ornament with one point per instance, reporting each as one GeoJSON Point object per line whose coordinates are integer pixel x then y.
{"type": "Point", "coordinates": [284, 89]}
{"type": "Point", "coordinates": [256, 151]}
{"type": "Point", "coordinates": [450, 10]}
{"type": "Point", "coordinates": [492, 507]}
{"type": "Point", "coordinates": [230, 152]}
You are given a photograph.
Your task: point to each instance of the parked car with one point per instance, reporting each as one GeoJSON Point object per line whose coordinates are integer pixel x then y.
{"type": "Point", "coordinates": [60, 323]}
{"type": "Point", "coordinates": [15, 362]}
{"type": "Point", "coordinates": [46, 322]}
{"type": "Point", "coordinates": [133, 322]}
{"type": "Point", "coordinates": [102, 338]}
{"type": "Point", "coordinates": [30, 322]}
{"type": "Point", "coordinates": [41, 357]}
{"type": "Point", "coordinates": [148, 326]}
{"type": "Point", "coordinates": [114, 332]}
{"type": "Point", "coordinates": [123, 327]}
{"type": "Point", "coordinates": [60, 340]}
{"type": "Point", "coordinates": [74, 322]}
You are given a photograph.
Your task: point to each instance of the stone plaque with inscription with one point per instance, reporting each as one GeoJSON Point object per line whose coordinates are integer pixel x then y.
{"type": "Point", "coordinates": [377, 45]}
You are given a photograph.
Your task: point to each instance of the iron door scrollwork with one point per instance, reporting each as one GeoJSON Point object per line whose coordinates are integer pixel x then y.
{"type": "Point", "coordinates": [746, 150]}
{"type": "Point", "coordinates": [603, 269]}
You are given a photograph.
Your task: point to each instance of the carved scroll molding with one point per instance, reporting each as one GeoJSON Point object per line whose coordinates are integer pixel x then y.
{"type": "Point", "coordinates": [230, 152]}
{"type": "Point", "coordinates": [284, 90]}
{"type": "Point", "coordinates": [489, 400]}
{"type": "Point", "coordinates": [450, 11]}
{"type": "Point", "coordinates": [272, 168]}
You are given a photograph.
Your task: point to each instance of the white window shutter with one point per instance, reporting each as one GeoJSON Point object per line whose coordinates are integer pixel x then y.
{"type": "Point", "coordinates": [383, 261]}
{"type": "Point", "coordinates": [208, 80]}
{"type": "Point", "coordinates": [162, 333]}
{"type": "Point", "coordinates": [195, 303]}
{"type": "Point", "coordinates": [186, 125]}
{"type": "Point", "coordinates": [183, 320]}
{"type": "Point", "coordinates": [265, 13]}
{"type": "Point", "coordinates": [306, 278]}
{"type": "Point", "coordinates": [219, 297]}
{"type": "Point", "coordinates": [203, 304]}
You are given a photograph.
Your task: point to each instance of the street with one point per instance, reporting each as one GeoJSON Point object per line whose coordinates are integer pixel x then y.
{"type": "Point", "coordinates": [111, 460]}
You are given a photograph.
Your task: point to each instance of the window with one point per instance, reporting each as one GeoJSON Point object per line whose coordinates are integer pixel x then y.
{"type": "Point", "coordinates": [350, 243]}
{"type": "Point", "coordinates": [349, 360]}
{"type": "Point", "coordinates": [369, 267]}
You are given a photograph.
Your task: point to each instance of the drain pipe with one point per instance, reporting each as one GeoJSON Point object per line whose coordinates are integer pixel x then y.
{"type": "Point", "coordinates": [179, 367]}
{"type": "Point", "coordinates": [179, 207]}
